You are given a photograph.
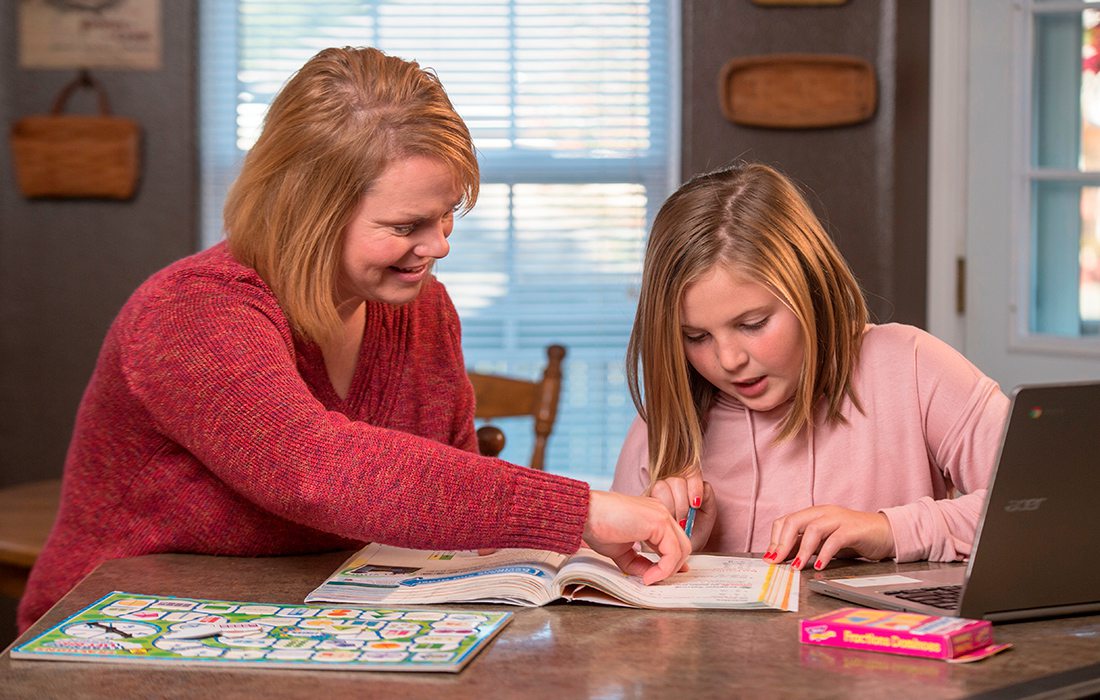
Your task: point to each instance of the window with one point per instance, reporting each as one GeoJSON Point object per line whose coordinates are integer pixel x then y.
{"type": "Point", "coordinates": [1062, 258]}
{"type": "Point", "coordinates": [570, 107]}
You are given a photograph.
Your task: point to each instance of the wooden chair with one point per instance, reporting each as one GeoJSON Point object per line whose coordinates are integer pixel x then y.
{"type": "Point", "coordinates": [27, 512]}
{"type": "Point", "coordinates": [501, 397]}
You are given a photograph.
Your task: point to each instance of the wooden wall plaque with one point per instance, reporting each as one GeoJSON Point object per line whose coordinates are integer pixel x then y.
{"type": "Point", "coordinates": [799, 3]}
{"type": "Point", "coordinates": [797, 91]}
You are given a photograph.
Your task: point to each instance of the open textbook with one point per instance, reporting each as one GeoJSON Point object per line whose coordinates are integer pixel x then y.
{"type": "Point", "coordinates": [383, 575]}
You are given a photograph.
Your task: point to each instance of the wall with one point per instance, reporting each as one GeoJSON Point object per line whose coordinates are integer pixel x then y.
{"type": "Point", "coordinates": [867, 182]}
{"type": "Point", "coordinates": [66, 266]}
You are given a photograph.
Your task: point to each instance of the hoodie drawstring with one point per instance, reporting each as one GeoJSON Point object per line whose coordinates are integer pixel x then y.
{"type": "Point", "coordinates": [810, 458]}
{"type": "Point", "coordinates": [811, 461]}
{"type": "Point", "coordinates": [755, 482]}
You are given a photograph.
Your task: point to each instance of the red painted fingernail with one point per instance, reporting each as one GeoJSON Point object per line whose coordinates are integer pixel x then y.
{"type": "Point", "coordinates": [797, 562]}
{"type": "Point", "coordinates": [770, 555]}
{"type": "Point", "coordinates": [697, 502]}
{"type": "Point", "coordinates": [683, 524]}
{"type": "Point", "coordinates": [819, 565]}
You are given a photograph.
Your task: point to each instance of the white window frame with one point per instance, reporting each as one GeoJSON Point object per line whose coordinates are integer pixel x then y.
{"type": "Point", "coordinates": [1025, 174]}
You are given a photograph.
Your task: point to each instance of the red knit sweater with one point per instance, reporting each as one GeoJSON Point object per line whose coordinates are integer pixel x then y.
{"type": "Point", "coordinates": [208, 427]}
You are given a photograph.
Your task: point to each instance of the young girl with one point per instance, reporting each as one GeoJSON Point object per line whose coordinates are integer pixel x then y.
{"type": "Point", "coordinates": [772, 404]}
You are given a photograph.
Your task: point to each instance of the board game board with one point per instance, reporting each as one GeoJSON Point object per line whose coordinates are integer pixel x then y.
{"type": "Point", "coordinates": [136, 628]}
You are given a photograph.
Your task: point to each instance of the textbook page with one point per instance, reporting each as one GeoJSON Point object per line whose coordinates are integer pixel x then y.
{"type": "Point", "coordinates": [380, 574]}
{"type": "Point", "coordinates": [711, 581]}
{"type": "Point", "coordinates": [392, 575]}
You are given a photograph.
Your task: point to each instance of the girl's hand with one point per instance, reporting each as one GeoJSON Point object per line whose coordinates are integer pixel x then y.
{"type": "Point", "coordinates": [828, 531]}
{"type": "Point", "coordinates": [678, 493]}
{"type": "Point", "coordinates": [616, 522]}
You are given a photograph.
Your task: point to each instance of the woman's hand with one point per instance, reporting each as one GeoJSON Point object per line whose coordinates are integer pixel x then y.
{"type": "Point", "coordinates": [829, 531]}
{"type": "Point", "coordinates": [678, 493]}
{"type": "Point", "coordinates": [616, 522]}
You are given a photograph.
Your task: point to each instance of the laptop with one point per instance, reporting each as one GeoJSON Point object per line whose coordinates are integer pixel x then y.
{"type": "Point", "coordinates": [1036, 548]}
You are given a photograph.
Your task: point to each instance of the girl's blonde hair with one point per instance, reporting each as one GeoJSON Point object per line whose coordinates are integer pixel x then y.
{"type": "Point", "coordinates": [753, 219]}
{"type": "Point", "coordinates": [329, 133]}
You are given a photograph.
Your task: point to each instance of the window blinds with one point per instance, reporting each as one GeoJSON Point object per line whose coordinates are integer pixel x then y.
{"type": "Point", "coordinates": [570, 107]}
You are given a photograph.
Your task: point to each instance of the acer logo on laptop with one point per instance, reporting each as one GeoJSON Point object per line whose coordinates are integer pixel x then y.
{"type": "Point", "coordinates": [1024, 504]}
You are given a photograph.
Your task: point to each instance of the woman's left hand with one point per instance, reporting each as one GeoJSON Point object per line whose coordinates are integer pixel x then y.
{"type": "Point", "coordinates": [828, 531]}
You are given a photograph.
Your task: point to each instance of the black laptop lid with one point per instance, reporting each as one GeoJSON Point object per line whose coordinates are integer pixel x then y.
{"type": "Point", "coordinates": [1038, 547]}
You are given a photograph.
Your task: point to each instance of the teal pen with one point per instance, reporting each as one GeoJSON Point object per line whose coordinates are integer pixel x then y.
{"type": "Point", "coordinates": [690, 521]}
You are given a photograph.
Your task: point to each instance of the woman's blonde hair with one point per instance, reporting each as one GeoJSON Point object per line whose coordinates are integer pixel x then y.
{"type": "Point", "coordinates": [753, 219]}
{"type": "Point", "coordinates": [329, 133]}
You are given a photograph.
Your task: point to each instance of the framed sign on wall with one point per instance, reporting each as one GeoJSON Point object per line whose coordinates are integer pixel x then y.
{"type": "Point", "coordinates": [61, 34]}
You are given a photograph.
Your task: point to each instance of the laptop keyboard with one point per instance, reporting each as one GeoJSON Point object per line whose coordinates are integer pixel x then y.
{"type": "Point", "coordinates": [946, 597]}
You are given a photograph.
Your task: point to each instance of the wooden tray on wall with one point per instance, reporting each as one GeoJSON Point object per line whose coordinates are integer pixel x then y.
{"type": "Point", "coordinates": [797, 91]}
{"type": "Point", "coordinates": [800, 3]}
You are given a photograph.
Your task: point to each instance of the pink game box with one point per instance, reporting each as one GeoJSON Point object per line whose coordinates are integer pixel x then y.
{"type": "Point", "coordinates": [930, 636]}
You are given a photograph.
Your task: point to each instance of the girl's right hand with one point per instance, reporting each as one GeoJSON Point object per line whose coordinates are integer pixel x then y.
{"type": "Point", "coordinates": [616, 522]}
{"type": "Point", "coordinates": [678, 493]}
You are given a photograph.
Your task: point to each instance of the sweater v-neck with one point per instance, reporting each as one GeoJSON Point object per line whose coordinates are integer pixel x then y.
{"type": "Point", "coordinates": [378, 370]}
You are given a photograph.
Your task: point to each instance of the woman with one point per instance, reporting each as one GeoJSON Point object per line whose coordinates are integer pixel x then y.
{"type": "Point", "coordinates": [301, 386]}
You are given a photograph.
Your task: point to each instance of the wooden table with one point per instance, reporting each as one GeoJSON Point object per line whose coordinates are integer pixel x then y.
{"type": "Point", "coordinates": [567, 650]}
{"type": "Point", "coordinates": [27, 512]}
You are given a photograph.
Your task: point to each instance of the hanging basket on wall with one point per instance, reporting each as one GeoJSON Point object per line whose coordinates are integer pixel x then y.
{"type": "Point", "coordinates": [63, 155]}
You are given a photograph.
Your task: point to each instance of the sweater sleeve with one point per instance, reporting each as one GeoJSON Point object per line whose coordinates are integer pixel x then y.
{"type": "Point", "coordinates": [632, 469]}
{"type": "Point", "coordinates": [213, 364]}
{"type": "Point", "coordinates": [964, 413]}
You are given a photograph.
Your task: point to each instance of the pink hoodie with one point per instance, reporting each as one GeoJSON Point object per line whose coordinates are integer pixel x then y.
{"type": "Point", "coordinates": [930, 419]}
